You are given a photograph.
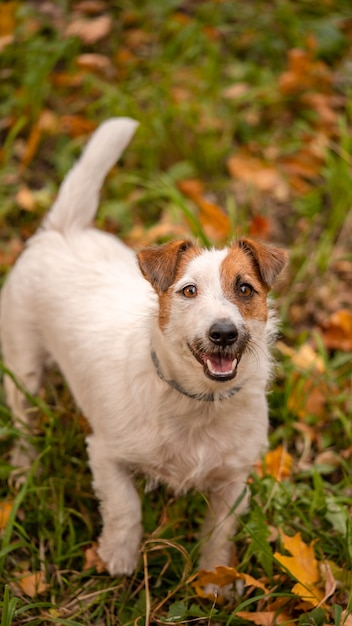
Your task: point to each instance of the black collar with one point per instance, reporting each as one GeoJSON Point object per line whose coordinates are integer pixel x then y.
{"type": "Point", "coordinates": [207, 397]}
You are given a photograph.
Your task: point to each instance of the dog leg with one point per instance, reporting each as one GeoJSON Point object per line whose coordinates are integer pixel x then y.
{"type": "Point", "coordinates": [120, 509]}
{"type": "Point", "coordinates": [219, 526]}
{"type": "Point", "coordinates": [24, 358]}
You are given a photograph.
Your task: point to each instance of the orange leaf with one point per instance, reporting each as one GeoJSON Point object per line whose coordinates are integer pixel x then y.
{"type": "Point", "coordinates": [277, 463]}
{"type": "Point", "coordinates": [223, 576]}
{"type": "Point", "coordinates": [303, 566]}
{"type": "Point", "coordinates": [260, 227]}
{"type": "Point", "coordinates": [5, 510]}
{"type": "Point", "coordinates": [215, 222]}
{"type": "Point", "coordinates": [337, 333]}
{"type": "Point", "coordinates": [76, 125]}
{"type": "Point", "coordinates": [32, 583]}
{"type": "Point", "coordinates": [266, 618]}
{"type": "Point", "coordinates": [7, 19]}
{"type": "Point", "coordinates": [191, 187]}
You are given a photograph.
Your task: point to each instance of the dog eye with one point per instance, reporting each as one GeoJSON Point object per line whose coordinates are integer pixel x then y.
{"type": "Point", "coordinates": [190, 291]}
{"type": "Point", "coordinates": [245, 290]}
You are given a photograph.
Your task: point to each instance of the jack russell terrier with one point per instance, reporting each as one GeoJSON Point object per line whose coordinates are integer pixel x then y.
{"type": "Point", "coordinates": [167, 354]}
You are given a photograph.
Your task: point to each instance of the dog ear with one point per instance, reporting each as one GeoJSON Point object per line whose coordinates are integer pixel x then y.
{"type": "Point", "coordinates": [269, 259]}
{"type": "Point", "coordinates": [159, 264]}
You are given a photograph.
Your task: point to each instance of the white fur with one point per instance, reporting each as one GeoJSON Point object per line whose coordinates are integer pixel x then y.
{"type": "Point", "coordinates": [77, 296]}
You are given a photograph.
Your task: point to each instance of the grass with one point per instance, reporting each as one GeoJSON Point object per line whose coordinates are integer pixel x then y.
{"type": "Point", "coordinates": [171, 65]}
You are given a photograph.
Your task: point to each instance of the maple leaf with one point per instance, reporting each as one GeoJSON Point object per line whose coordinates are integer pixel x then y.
{"type": "Point", "coordinates": [302, 566]}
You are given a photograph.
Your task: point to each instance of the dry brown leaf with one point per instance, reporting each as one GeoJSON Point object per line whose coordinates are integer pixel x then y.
{"type": "Point", "coordinates": [90, 7]}
{"type": "Point", "coordinates": [96, 63]}
{"type": "Point", "coordinates": [215, 222]}
{"type": "Point", "coordinates": [257, 173]}
{"type": "Point", "coordinates": [337, 333]}
{"type": "Point", "coordinates": [92, 559]}
{"type": "Point", "coordinates": [5, 510]}
{"type": "Point", "coordinates": [304, 73]}
{"type": "Point", "coordinates": [90, 31]}
{"type": "Point", "coordinates": [303, 566]}
{"type": "Point", "coordinates": [32, 583]}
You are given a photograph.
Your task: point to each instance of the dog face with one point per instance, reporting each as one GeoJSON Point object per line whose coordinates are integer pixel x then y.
{"type": "Point", "coordinates": [212, 299]}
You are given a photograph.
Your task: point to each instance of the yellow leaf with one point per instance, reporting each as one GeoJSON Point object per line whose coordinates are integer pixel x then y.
{"type": "Point", "coordinates": [277, 463]}
{"type": "Point", "coordinates": [303, 566]}
{"type": "Point", "coordinates": [5, 510]}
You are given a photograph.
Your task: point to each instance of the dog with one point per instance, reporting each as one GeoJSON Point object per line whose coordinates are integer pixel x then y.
{"type": "Point", "coordinates": [166, 352]}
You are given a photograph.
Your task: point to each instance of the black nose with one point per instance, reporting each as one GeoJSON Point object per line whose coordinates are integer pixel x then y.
{"type": "Point", "coordinates": [223, 333]}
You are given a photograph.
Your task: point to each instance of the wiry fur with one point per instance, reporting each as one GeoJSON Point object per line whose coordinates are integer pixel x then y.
{"type": "Point", "coordinates": [78, 297]}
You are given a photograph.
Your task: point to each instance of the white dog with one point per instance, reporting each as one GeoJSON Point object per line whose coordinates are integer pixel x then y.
{"type": "Point", "coordinates": [167, 356]}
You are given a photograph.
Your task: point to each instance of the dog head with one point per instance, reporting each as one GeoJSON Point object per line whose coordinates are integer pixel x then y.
{"type": "Point", "coordinates": [212, 301]}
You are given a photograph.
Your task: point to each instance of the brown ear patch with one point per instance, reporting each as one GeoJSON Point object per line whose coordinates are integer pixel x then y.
{"type": "Point", "coordinates": [159, 264]}
{"type": "Point", "coordinates": [269, 260]}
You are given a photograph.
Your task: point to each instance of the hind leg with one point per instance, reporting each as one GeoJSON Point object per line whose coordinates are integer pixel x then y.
{"type": "Point", "coordinates": [24, 358]}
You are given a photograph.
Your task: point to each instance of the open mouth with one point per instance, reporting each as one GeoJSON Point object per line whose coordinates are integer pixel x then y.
{"type": "Point", "coordinates": [218, 364]}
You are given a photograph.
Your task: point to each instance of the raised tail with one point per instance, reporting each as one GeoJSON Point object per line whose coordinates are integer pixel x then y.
{"type": "Point", "coordinates": [78, 197]}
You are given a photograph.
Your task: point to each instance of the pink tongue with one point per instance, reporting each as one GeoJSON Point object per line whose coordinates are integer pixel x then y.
{"type": "Point", "coordinates": [219, 363]}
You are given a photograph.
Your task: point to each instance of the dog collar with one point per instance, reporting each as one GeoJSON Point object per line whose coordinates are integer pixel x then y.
{"type": "Point", "coordinates": [206, 397]}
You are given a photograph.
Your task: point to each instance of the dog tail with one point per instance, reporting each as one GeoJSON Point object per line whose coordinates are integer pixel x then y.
{"type": "Point", "coordinates": [78, 197]}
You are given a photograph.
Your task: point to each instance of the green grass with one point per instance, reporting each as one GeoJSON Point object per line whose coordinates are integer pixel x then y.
{"type": "Point", "coordinates": [172, 62]}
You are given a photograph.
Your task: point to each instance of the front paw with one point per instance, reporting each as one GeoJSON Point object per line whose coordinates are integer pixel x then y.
{"type": "Point", "coordinates": [120, 553]}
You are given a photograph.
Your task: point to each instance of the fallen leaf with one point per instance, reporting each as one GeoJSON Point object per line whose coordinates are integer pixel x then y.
{"type": "Point", "coordinates": [25, 199]}
{"type": "Point", "coordinates": [5, 510]}
{"type": "Point", "coordinates": [32, 583]}
{"type": "Point", "coordinates": [91, 7]}
{"type": "Point", "coordinates": [337, 332]}
{"type": "Point", "coordinates": [191, 187]}
{"type": "Point", "coordinates": [304, 72]}
{"type": "Point", "coordinates": [260, 227]}
{"type": "Point", "coordinates": [92, 559]}
{"type": "Point", "coordinates": [303, 566]}
{"type": "Point", "coordinates": [223, 576]}
{"type": "Point", "coordinates": [238, 90]}
{"type": "Point", "coordinates": [96, 63]}
{"type": "Point", "coordinates": [7, 19]}
{"type": "Point", "coordinates": [76, 125]}
{"type": "Point", "coordinates": [277, 463]}
{"type": "Point", "coordinates": [257, 173]}
{"type": "Point", "coordinates": [90, 31]}
{"type": "Point", "coordinates": [266, 618]}
{"type": "Point", "coordinates": [213, 219]}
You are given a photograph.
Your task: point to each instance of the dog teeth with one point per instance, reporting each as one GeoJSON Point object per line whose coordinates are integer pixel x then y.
{"type": "Point", "coordinates": [224, 373]}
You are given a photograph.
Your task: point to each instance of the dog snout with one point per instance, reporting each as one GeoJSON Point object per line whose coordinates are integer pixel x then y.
{"type": "Point", "coordinates": [223, 333]}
